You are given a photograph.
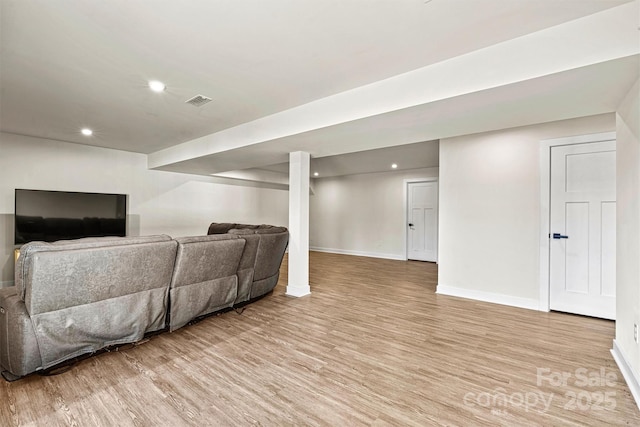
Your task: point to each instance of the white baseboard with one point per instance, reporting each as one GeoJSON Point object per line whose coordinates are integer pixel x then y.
{"type": "Point", "coordinates": [357, 253]}
{"type": "Point", "coordinates": [298, 291]}
{"type": "Point", "coordinates": [531, 304]}
{"type": "Point", "coordinates": [630, 376]}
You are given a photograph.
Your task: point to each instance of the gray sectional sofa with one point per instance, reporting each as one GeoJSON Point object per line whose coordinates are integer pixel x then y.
{"type": "Point", "coordinates": [260, 264]}
{"type": "Point", "coordinates": [76, 297]}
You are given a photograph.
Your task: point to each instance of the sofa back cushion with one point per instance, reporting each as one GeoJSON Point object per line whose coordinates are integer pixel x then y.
{"type": "Point", "coordinates": [87, 294]}
{"type": "Point", "coordinates": [203, 258]}
{"type": "Point", "coordinates": [247, 262]}
{"type": "Point", "coordinates": [226, 227]}
{"type": "Point", "coordinates": [204, 280]}
{"type": "Point", "coordinates": [270, 252]}
{"type": "Point", "coordinates": [53, 276]}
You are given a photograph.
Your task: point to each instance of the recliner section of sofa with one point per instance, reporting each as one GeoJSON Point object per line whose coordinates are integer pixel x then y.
{"type": "Point", "coordinates": [246, 267]}
{"type": "Point", "coordinates": [260, 265]}
{"type": "Point", "coordinates": [269, 251]}
{"type": "Point", "coordinates": [204, 280]}
{"type": "Point", "coordinates": [76, 297]}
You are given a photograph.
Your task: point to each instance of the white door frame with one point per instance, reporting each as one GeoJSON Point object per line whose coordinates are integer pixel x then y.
{"type": "Point", "coordinates": [405, 201]}
{"type": "Point", "coordinates": [545, 205]}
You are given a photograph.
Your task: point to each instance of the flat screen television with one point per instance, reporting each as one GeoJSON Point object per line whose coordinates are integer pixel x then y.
{"type": "Point", "coordinates": [60, 215]}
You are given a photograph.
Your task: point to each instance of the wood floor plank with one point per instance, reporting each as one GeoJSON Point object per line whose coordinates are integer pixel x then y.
{"type": "Point", "coordinates": [373, 345]}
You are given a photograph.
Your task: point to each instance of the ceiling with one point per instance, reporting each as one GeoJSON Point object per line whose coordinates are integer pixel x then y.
{"type": "Point", "coordinates": [330, 77]}
{"type": "Point", "coordinates": [404, 157]}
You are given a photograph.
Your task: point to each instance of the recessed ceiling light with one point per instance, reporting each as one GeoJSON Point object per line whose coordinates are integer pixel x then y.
{"type": "Point", "coordinates": [156, 86]}
{"type": "Point", "coordinates": [87, 132]}
{"type": "Point", "coordinates": [316, 174]}
{"type": "Point", "coordinates": [394, 166]}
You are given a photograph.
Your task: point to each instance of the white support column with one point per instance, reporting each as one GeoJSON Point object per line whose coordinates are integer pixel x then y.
{"type": "Point", "coordinates": [299, 165]}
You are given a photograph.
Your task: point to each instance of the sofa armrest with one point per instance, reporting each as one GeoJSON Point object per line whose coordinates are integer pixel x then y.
{"type": "Point", "coordinates": [19, 352]}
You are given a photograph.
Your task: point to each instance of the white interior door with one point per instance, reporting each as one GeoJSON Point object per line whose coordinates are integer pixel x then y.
{"type": "Point", "coordinates": [422, 221]}
{"type": "Point", "coordinates": [582, 263]}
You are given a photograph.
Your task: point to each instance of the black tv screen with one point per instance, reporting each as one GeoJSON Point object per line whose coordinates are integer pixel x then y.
{"type": "Point", "coordinates": [61, 215]}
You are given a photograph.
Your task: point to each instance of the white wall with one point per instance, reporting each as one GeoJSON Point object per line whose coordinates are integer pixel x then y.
{"type": "Point", "coordinates": [490, 210]}
{"type": "Point", "coordinates": [628, 229]}
{"type": "Point", "coordinates": [361, 214]}
{"type": "Point", "coordinates": [159, 202]}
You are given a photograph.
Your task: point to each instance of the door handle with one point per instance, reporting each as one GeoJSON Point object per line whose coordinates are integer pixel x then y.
{"type": "Point", "coordinates": [410, 225]}
{"type": "Point", "coordinates": [559, 236]}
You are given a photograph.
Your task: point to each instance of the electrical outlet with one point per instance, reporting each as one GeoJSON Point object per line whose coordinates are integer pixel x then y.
{"type": "Point", "coordinates": [635, 332]}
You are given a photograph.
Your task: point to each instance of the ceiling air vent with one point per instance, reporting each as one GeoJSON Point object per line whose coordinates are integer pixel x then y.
{"type": "Point", "coordinates": [198, 100]}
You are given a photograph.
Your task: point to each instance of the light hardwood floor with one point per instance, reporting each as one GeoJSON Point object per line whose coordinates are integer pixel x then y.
{"type": "Point", "coordinates": [372, 345]}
